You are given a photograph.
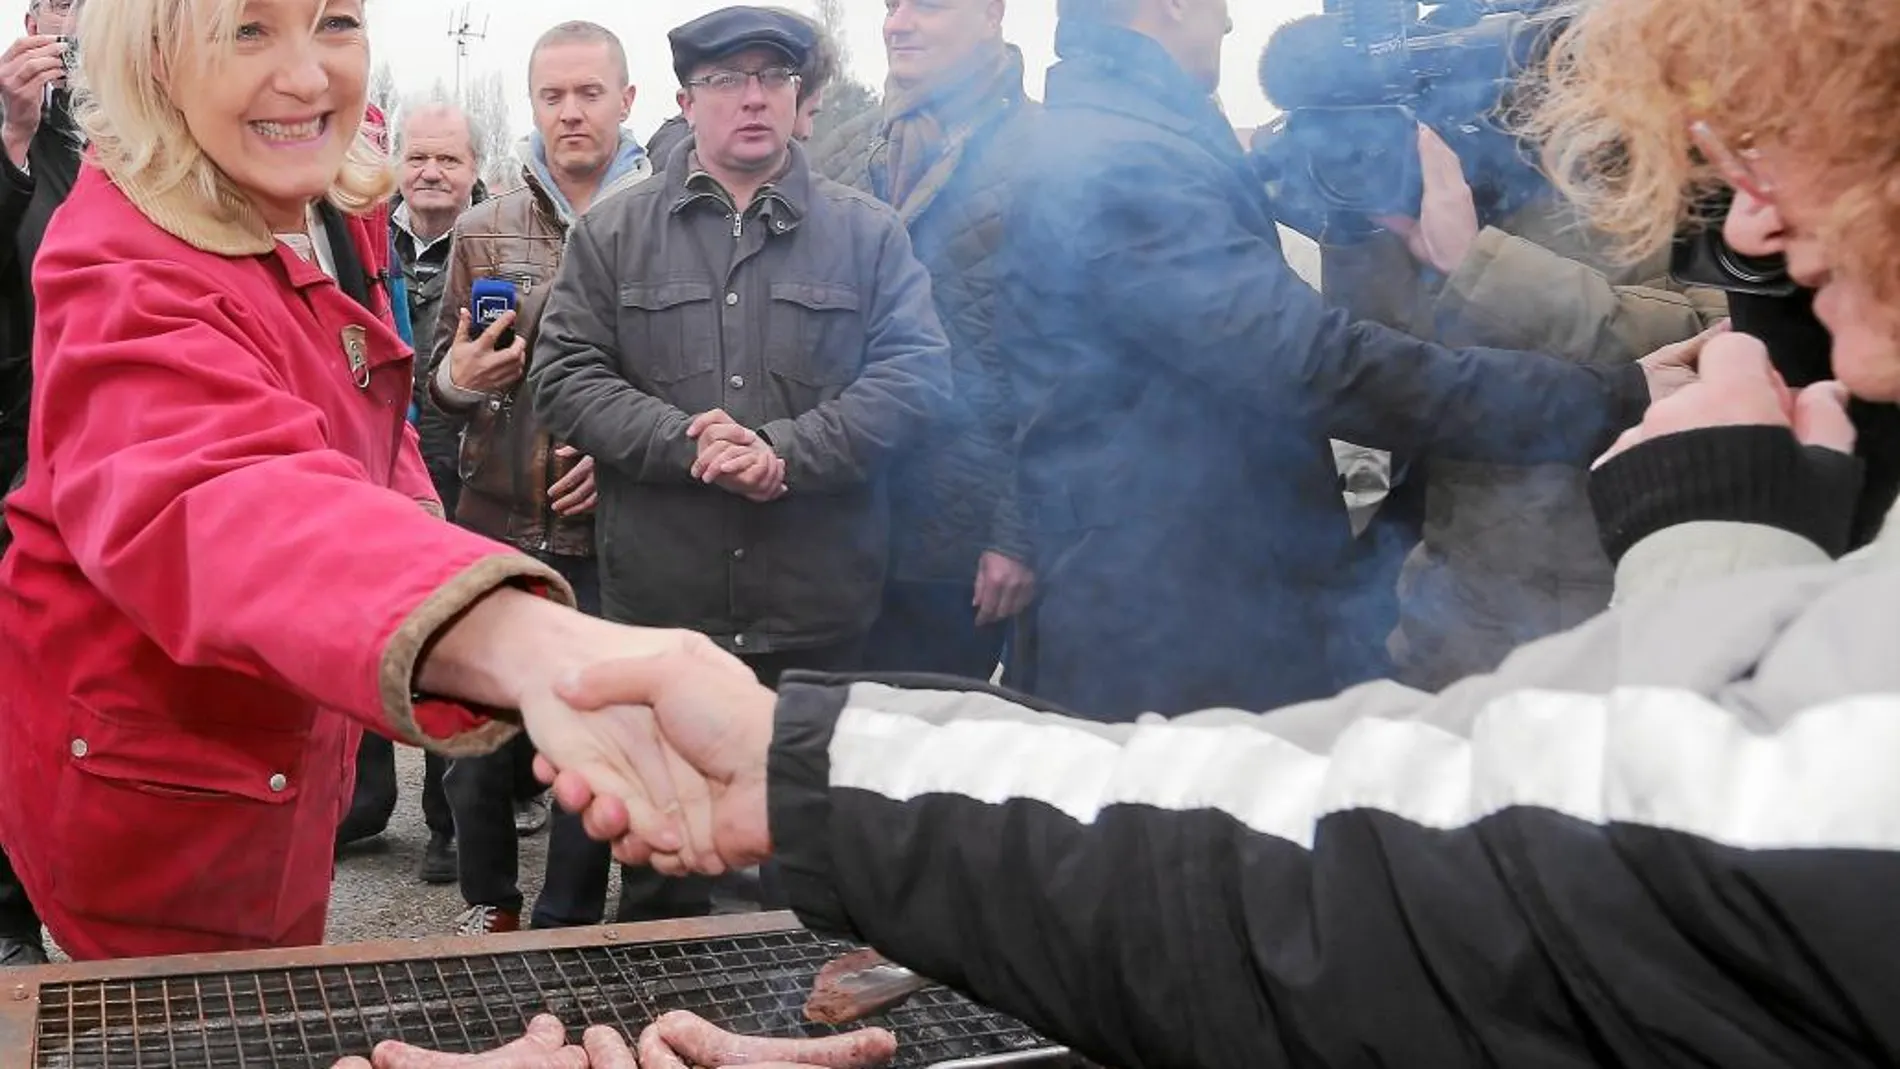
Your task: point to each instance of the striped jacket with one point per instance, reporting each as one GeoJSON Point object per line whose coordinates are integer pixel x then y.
{"type": "Point", "coordinates": [1670, 837]}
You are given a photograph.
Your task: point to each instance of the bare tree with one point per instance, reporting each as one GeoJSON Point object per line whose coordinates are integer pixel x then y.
{"type": "Point", "coordinates": [830, 15]}
{"type": "Point", "coordinates": [846, 97]}
{"type": "Point", "coordinates": [486, 101]}
{"type": "Point", "coordinates": [382, 89]}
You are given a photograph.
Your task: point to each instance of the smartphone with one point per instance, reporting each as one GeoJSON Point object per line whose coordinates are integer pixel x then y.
{"type": "Point", "coordinates": [69, 56]}
{"type": "Point", "coordinates": [489, 298]}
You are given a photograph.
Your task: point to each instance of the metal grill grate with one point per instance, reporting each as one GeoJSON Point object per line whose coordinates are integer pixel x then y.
{"type": "Point", "coordinates": [754, 984]}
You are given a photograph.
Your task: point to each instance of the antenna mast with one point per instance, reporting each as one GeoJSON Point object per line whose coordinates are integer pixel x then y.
{"type": "Point", "coordinates": [463, 32]}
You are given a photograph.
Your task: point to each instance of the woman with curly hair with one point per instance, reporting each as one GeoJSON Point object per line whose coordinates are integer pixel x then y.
{"type": "Point", "coordinates": [1668, 837]}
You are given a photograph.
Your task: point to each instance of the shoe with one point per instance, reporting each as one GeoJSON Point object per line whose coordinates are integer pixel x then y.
{"type": "Point", "coordinates": [487, 920]}
{"type": "Point", "coordinates": [21, 953]}
{"type": "Point", "coordinates": [531, 815]}
{"type": "Point", "coordinates": [439, 862]}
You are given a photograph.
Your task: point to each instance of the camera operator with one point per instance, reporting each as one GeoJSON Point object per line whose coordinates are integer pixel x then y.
{"type": "Point", "coordinates": [41, 149]}
{"type": "Point", "coordinates": [1510, 554]}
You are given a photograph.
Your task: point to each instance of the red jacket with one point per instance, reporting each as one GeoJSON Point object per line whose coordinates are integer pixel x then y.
{"type": "Point", "coordinates": [221, 574]}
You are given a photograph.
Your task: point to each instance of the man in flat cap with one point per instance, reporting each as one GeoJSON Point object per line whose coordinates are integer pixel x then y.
{"type": "Point", "coordinates": [742, 346]}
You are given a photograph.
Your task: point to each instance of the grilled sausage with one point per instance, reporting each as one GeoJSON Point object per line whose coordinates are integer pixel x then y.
{"type": "Point", "coordinates": [607, 1049]}
{"type": "Point", "coordinates": [705, 1043]}
{"type": "Point", "coordinates": [654, 1053]}
{"type": "Point", "coordinates": [541, 1048]}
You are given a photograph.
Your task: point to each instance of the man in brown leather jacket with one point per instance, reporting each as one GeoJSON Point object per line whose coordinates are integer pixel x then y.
{"type": "Point", "coordinates": [519, 485]}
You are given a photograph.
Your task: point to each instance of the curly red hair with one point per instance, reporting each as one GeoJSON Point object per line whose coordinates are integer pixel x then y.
{"type": "Point", "coordinates": [1811, 80]}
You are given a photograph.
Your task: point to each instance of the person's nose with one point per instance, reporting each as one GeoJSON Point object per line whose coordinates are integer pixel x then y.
{"type": "Point", "coordinates": [303, 75]}
{"type": "Point", "coordinates": [752, 95]}
{"type": "Point", "coordinates": [899, 20]}
{"type": "Point", "coordinates": [1754, 227]}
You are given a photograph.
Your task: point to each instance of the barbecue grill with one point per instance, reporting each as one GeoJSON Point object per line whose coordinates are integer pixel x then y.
{"type": "Point", "coordinates": [311, 1006]}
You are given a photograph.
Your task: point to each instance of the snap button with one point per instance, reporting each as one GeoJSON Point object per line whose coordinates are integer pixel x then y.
{"type": "Point", "coordinates": [79, 747]}
{"type": "Point", "coordinates": [737, 382]}
{"type": "Point", "coordinates": [739, 641]}
{"type": "Point", "coordinates": [779, 225]}
{"type": "Point", "coordinates": [732, 298]}
{"type": "Point", "coordinates": [738, 554]}
{"type": "Point", "coordinates": [278, 783]}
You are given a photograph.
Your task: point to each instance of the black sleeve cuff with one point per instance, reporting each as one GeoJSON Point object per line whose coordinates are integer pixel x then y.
{"type": "Point", "coordinates": [798, 799]}
{"type": "Point", "coordinates": [1629, 400]}
{"type": "Point", "coordinates": [1757, 474]}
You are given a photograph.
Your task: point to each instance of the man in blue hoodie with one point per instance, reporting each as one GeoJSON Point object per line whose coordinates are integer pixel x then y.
{"type": "Point", "coordinates": [519, 484]}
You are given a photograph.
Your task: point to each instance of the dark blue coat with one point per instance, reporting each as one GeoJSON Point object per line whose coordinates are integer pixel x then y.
{"type": "Point", "coordinates": [1178, 384]}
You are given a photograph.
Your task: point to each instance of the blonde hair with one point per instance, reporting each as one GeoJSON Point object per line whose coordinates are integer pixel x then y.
{"type": "Point", "coordinates": [1813, 81]}
{"type": "Point", "coordinates": [139, 137]}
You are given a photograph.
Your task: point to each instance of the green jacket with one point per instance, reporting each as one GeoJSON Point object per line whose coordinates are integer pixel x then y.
{"type": "Point", "coordinates": [1511, 554]}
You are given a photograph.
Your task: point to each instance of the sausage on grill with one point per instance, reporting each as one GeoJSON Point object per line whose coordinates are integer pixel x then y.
{"type": "Point", "coordinates": [703, 1043]}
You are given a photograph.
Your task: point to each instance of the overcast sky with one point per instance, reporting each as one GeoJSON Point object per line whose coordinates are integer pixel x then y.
{"type": "Point", "coordinates": [413, 36]}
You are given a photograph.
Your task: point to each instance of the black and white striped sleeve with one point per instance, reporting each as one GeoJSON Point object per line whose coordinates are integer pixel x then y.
{"type": "Point", "coordinates": [1662, 839]}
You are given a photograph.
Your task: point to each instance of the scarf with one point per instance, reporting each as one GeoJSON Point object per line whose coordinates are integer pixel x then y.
{"type": "Point", "coordinates": [915, 116]}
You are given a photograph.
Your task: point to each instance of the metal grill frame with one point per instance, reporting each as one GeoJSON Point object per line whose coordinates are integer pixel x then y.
{"type": "Point", "coordinates": [21, 989]}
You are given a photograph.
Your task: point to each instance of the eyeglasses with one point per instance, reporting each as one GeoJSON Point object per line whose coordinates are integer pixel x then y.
{"type": "Point", "coordinates": [732, 83]}
{"type": "Point", "coordinates": [1741, 166]}
{"type": "Point", "coordinates": [55, 7]}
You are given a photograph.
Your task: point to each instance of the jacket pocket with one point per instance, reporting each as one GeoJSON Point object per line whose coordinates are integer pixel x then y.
{"type": "Point", "coordinates": [667, 330]}
{"type": "Point", "coordinates": [158, 827]}
{"type": "Point", "coordinates": [815, 333]}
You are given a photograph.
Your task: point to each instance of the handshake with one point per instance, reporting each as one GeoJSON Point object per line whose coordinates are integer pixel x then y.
{"type": "Point", "coordinates": [734, 458]}
{"type": "Point", "coordinates": [662, 755]}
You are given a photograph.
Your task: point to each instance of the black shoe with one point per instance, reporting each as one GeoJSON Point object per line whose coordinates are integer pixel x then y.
{"type": "Point", "coordinates": [21, 953]}
{"type": "Point", "coordinates": [439, 861]}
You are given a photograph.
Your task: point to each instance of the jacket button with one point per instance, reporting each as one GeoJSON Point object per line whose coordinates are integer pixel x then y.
{"type": "Point", "coordinates": [737, 382]}
{"type": "Point", "coordinates": [278, 783]}
{"type": "Point", "coordinates": [779, 225]}
{"type": "Point", "coordinates": [732, 299]}
{"type": "Point", "coordinates": [494, 404]}
{"type": "Point", "coordinates": [739, 641]}
{"type": "Point", "coordinates": [79, 747]}
{"type": "Point", "coordinates": [738, 554]}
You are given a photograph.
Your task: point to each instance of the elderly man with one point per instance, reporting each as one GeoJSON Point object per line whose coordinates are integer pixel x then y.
{"type": "Point", "coordinates": [939, 153]}
{"type": "Point", "coordinates": [437, 170]}
{"type": "Point", "coordinates": [743, 346]}
{"type": "Point", "coordinates": [439, 159]}
{"type": "Point", "coordinates": [521, 484]}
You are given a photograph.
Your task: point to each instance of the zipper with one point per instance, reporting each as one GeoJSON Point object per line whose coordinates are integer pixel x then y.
{"type": "Point", "coordinates": [738, 226]}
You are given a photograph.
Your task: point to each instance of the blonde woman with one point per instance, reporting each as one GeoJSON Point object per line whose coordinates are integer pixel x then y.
{"type": "Point", "coordinates": [226, 564]}
{"type": "Point", "coordinates": [1670, 837]}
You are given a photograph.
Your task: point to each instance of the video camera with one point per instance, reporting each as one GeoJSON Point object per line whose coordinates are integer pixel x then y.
{"type": "Point", "coordinates": [1356, 81]}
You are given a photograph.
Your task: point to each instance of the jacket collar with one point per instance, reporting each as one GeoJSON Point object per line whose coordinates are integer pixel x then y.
{"type": "Point", "coordinates": [629, 167]}
{"type": "Point", "coordinates": [789, 194]}
{"type": "Point", "coordinates": [1120, 70]}
{"type": "Point", "coordinates": [231, 228]}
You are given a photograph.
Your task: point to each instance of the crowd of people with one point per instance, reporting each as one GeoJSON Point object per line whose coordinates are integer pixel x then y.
{"type": "Point", "coordinates": [739, 468]}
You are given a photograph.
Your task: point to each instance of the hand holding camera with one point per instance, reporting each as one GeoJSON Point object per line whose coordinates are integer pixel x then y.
{"type": "Point", "coordinates": [1447, 222]}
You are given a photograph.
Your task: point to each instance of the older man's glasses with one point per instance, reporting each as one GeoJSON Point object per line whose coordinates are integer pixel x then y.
{"type": "Point", "coordinates": [1740, 166]}
{"type": "Point", "coordinates": [54, 7]}
{"type": "Point", "coordinates": [732, 83]}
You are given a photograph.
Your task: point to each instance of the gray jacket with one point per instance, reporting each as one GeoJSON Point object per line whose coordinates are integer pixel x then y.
{"type": "Point", "coordinates": [818, 333]}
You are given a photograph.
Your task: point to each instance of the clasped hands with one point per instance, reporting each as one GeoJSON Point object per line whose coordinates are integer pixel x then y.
{"type": "Point", "coordinates": [734, 458]}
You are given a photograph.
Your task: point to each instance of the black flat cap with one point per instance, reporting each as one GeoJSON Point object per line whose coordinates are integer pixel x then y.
{"type": "Point", "coordinates": [735, 29]}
